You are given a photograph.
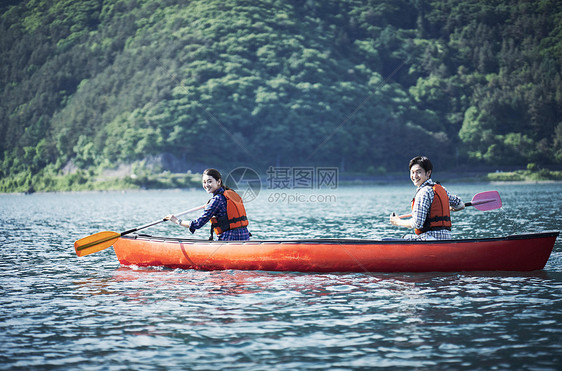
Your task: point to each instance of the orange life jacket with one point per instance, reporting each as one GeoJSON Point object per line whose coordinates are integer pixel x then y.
{"type": "Point", "coordinates": [439, 216]}
{"type": "Point", "coordinates": [235, 214]}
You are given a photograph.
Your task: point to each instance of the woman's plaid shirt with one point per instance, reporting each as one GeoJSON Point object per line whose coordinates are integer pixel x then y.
{"type": "Point", "coordinates": [217, 207]}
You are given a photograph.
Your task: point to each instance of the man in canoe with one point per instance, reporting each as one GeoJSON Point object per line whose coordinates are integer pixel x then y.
{"type": "Point", "coordinates": [431, 206]}
{"type": "Point", "coordinates": [225, 210]}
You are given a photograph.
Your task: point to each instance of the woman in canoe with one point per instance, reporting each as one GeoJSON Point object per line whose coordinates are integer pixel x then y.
{"type": "Point", "coordinates": [431, 206]}
{"type": "Point", "coordinates": [225, 210]}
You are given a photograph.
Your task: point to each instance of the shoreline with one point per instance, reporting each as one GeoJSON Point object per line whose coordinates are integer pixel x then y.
{"type": "Point", "coordinates": [185, 181]}
{"type": "Point", "coordinates": [347, 182]}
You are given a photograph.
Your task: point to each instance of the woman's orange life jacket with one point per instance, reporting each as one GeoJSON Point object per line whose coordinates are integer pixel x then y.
{"type": "Point", "coordinates": [439, 216]}
{"type": "Point", "coordinates": [235, 214]}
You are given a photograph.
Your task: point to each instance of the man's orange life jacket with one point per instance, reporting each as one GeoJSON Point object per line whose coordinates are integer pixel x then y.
{"type": "Point", "coordinates": [235, 214]}
{"type": "Point", "coordinates": [439, 216]}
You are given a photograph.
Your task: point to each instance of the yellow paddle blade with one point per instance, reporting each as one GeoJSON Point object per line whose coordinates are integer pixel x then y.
{"type": "Point", "coordinates": [96, 242]}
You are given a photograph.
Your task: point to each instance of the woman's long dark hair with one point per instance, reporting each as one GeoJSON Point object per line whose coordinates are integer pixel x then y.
{"type": "Point", "coordinates": [216, 175]}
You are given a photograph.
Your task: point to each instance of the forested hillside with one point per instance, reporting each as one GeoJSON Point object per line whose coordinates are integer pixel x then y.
{"type": "Point", "coordinates": [88, 85]}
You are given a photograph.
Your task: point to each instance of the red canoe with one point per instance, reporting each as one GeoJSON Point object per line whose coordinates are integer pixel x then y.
{"type": "Point", "coordinates": [523, 252]}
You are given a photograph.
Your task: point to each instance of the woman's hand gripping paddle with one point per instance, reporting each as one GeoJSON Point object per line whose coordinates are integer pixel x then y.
{"type": "Point", "coordinates": [102, 240]}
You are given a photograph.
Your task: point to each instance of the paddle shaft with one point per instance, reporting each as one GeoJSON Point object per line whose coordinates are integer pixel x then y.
{"type": "Point", "coordinates": [470, 203]}
{"type": "Point", "coordinates": [410, 215]}
{"type": "Point", "coordinates": [102, 240]}
{"type": "Point", "coordinates": [161, 220]}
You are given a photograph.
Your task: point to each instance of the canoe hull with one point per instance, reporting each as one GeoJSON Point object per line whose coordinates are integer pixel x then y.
{"type": "Point", "coordinates": [524, 252]}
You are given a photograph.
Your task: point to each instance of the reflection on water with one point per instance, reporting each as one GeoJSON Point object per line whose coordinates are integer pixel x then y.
{"type": "Point", "coordinates": [59, 311]}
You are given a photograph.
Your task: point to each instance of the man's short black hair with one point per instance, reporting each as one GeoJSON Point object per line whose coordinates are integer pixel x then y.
{"type": "Point", "coordinates": [423, 162]}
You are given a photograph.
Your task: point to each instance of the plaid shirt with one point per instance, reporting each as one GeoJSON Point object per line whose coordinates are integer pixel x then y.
{"type": "Point", "coordinates": [217, 207]}
{"type": "Point", "coordinates": [423, 200]}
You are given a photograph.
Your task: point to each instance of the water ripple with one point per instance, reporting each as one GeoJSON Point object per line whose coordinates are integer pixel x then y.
{"type": "Point", "coordinates": [61, 312]}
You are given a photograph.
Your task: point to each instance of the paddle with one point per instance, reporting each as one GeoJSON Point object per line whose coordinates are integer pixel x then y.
{"type": "Point", "coordinates": [483, 201]}
{"type": "Point", "coordinates": [102, 240]}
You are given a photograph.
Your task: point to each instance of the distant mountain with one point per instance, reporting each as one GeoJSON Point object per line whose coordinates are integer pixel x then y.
{"type": "Point", "coordinates": [89, 85]}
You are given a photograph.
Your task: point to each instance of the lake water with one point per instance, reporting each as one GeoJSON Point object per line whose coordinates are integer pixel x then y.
{"type": "Point", "coordinates": [59, 311]}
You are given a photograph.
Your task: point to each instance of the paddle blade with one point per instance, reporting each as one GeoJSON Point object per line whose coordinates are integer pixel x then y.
{"type": "Point", "coordinates": [96, 242]}
{"type": "Point", "coordinates": [485, 201]}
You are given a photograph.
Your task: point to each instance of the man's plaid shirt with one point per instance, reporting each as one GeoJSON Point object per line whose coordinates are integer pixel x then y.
{"type": "Point", "coordinates": [423, 200]}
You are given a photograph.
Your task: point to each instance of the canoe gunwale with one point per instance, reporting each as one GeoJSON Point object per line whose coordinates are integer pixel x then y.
{"type": "Point", "coordinates": [348, 241]}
